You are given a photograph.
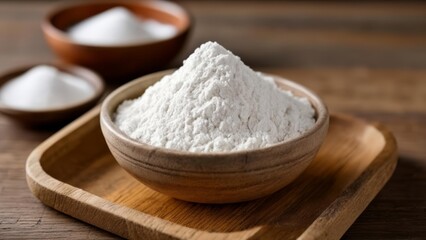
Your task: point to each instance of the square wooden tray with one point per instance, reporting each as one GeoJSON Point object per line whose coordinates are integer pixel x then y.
{"type": "Point", "coordinates": [74, 172]}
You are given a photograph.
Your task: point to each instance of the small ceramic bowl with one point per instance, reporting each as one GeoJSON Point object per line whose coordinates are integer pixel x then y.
{"type": "Point", "coordinates": [222, 177]}
{"type": "Point", "coordinates": [118, 62]}
{"type": "Point", "coordinates": [53, 115]}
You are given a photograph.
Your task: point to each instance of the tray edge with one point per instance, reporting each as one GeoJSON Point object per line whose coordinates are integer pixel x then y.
{"type": "Point", "coordinates": [65, 195]}
{"type": "Point", "coordinates": [332, 224]}
{"type": "Point", "coordinates": [324, 227]}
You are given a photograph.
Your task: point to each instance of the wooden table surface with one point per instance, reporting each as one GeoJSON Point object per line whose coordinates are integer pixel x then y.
{"type": "Point", "coordinates": [365, 59]}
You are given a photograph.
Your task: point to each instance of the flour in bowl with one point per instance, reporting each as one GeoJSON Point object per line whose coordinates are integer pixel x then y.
{"type": "Point", "coordinates": [214, 103]}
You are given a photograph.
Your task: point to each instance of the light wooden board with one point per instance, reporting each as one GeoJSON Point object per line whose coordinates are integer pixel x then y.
{"type": "Point", "coordinates": [74, 172]}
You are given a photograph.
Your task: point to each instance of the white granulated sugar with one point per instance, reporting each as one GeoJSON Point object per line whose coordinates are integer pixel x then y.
{"type": "Point", "coordinates": [214, 103]}
{"type": "Point", "coordinates": [44, 87]}
{"type": "Point", "coordinates": [119, 26]}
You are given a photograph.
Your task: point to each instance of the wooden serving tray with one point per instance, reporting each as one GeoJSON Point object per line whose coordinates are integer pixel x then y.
{"type": "Point", "coordinates": [74, 172]}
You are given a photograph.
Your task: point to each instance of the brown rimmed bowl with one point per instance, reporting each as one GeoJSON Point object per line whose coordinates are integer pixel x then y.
{"type": "Point", "coordinates": [57, 115]}
{"type": "Point", "coordinates": [117, 63]}
{"type": "Point", "coordinates": [222, 177]}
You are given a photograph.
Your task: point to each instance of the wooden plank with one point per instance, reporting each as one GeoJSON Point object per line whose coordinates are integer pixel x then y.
{"type": "Point", "coordinates": [364, 90]}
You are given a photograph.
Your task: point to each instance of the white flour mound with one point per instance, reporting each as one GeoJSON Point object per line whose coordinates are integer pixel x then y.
{"type": "Point", "coordinates": [44, 87]}
{"type": "Point", "coordinates": [214, 103]}
{"type": "Point", "coordinates": [118, 26]}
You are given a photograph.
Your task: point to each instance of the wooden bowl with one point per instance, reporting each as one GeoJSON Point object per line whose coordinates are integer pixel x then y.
{"type": "Point", "coordinates": [118, 62]}
{"type": "Point", "coordinates": [53, 115]}
{"type": "Point", "coordinates": [223, 177]}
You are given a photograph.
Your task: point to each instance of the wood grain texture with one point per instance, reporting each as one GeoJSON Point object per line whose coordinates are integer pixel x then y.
{"type": "Point", "coordinates": [373, 52]}
{"type": "Point", "coordinates": [355, 161]}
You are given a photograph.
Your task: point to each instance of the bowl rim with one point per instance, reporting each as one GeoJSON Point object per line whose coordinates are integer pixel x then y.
{"type": "Point", "coordinates": [99, 86]}
{"type": "Point", "coordinates": [49, 28]}
{"type": "Point", "coordinates": [321, 111]}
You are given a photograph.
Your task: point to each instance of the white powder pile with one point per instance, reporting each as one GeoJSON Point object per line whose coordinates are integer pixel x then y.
{"type": "Point", "coordinates": [119, 26]}
{"type": "Point", "coordinates": [214, 103]}
{"type": "Point", "coordinates": [44, 87]}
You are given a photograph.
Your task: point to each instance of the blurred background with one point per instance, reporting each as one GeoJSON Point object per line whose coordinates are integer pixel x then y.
{"type": "Point", "coordinates": [265, 33]}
